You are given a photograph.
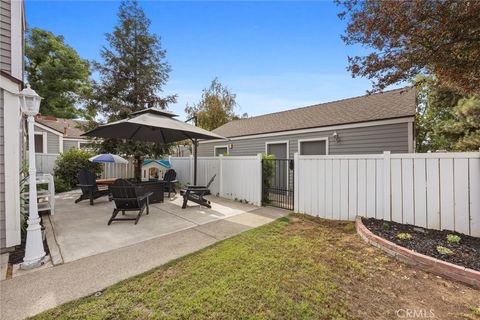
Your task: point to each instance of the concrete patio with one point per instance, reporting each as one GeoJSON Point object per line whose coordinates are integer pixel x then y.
{"type": "Point", "coordinates": [89, 256]}
{"type": "Point", "coordinates": [81, 230]}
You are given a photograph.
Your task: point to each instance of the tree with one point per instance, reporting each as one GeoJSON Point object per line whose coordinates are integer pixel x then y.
{"type": "Point", "coordinates": [57, 73]}
{"type": "Point", "coordinates": [216, 107]}
{"type": "Point", "coordinates": [132, 73]}
{"type": "Point", "coordinates": [446, 120]}
{"type": "Point", "coordinates": [436, 37]}
{"type": "Point", "coordinates": [464, 128]}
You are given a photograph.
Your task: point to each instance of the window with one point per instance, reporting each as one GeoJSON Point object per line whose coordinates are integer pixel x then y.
{"type": "Point", "coordinates": [278, 148]}
{"type": "Point", "coordinates": [220, 150]}
{"type": "Point", "coordinates": [313, 147]}
{"type": "Point", "coordinates": [83, 145]}
{"type": "Point", "coordinates": [39, 143]}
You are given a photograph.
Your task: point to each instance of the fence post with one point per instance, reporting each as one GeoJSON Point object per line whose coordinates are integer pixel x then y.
{"type": "Point", "coordinates": [295, 182]}
{"type": "Point", "coordinates": [260, 179]}
{"type": "Point", "coordinates": [220, 173]}
{"type": "Point", "coordinates": [387, 212]}
{"type": "Point", "coordinates": [191, 169]}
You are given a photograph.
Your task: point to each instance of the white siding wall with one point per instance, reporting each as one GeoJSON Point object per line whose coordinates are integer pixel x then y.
{"type": "Point", "coordinates": [433, 190]}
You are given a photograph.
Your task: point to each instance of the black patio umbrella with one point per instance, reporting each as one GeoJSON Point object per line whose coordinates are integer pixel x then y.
{"type": "Point", "coordinates": [153, 125]}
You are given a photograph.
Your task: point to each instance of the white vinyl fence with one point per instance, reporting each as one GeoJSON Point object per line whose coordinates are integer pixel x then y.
{"type": "Point", "coordinates": [118, 170]}
{"type": "Point", "coordinates": [237, 178]}
{"type": "Point", "coordinates": [45, 162]}
{"type": "Point", "coordinates": [432, 190]}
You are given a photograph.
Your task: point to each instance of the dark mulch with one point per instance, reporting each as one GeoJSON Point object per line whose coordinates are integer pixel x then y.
{"type": "Point", "coordinates": [425, 241]}
{"type": "Point", "coordinates": [19, 253]}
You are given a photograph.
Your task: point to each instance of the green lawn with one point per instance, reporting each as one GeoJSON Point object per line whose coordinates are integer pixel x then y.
{"type": "Point", "coordinates": [293, 268]}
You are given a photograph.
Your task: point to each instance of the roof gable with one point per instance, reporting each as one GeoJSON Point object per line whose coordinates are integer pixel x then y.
{"type": "Point", "coordinates": [163, 163]}
{"type": "Point", "coordinates": [69, 128]}
{"type": "Point", "coordinates": [379, 106]}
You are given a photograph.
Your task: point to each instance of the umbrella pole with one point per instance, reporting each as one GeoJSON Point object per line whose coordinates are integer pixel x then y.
{"type": "Point", "coordinates": [195, 156]}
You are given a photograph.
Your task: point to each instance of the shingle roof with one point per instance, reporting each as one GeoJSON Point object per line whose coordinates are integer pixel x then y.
{"type": "Point", "coordinates": [68, 127]}
{"type": "Point", "coordinates": [387, 105]}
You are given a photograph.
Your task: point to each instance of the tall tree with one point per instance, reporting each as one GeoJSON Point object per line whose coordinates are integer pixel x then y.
{"type": "Point", "coordinates": [132, 73]}
{"type": "Point", "coordinates": [410, 37]}
{"type": "Point", "coordinates": [446, 120]}
{"type": "Point", "coordinates": [216, 107]}
{"type": "Point", "coordinates": [57, 73]}
{"type": "Point", "coordinates": [464, 128]}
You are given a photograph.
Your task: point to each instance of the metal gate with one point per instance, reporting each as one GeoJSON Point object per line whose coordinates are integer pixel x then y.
{"type": "Point", "coordinates": [278, 183]}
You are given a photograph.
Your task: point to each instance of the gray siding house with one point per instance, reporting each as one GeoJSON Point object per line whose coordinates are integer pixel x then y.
{"type": "Point", "coordinates": [12, 28]}
{"type": "Point", "coordinates": [366, 124]}
{"type": "Point", "coordinates": [55, 135]}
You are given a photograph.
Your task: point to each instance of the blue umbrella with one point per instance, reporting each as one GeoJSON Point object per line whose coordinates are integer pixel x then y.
{"type": "Point", "coordinates": [108, 157]}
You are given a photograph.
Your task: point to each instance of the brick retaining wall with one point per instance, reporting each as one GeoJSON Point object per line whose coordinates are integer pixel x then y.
{"type": "Point", "coordinates": [426, 263]}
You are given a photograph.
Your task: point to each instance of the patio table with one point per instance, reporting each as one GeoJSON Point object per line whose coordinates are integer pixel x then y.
{"type": "Point", "coordinates": [106, 181]}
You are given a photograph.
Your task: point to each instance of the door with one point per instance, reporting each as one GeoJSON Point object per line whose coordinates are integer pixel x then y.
{"type": "Point", "coordinates": [277, 179]}
{"type": "Point", "coordinates": [280, 151]}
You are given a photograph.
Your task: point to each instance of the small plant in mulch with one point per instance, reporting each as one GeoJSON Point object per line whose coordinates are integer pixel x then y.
{"type": "Point", "coordinates": [453, 238]}
{"type": "Point", "coordinates": [475, 311]}
{"type": "Point", "coordinates": [425, 241]}
{"type": "Point", "coordinates": [385, 226]}
{"type": "Point", "coordinates": [444, 251]}
{"type": "Point", "coordinates": [404, 236]}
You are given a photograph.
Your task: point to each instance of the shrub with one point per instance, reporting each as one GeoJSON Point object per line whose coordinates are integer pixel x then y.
{"type": "Point", "coordinates": [385, 226]}
{"type": "Point", "coordinates": [61, 186]}
{"type": "Point", "coordinates": [69, 164]}
{"type": "Point", "coordinates": [268, 172]}
{"type": "Point", "coordinates": [444, 251]}
{"type": "Point", "coordinates": [404, 236]}
{"type": "Point", "coordinates": [453, 238]}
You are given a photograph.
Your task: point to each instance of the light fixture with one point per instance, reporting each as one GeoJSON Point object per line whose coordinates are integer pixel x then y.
{"type": "Point", "coordinates": [335, 136]}
{"type": "Point", "coordinates": [34, 252]}
{"type": "Point", "coordinates": [29, 101]}
{"type": "Point", "coordinates": [230, 146]}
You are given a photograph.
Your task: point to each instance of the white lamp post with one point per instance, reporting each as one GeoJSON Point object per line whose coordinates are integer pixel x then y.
{"type": "Point", "coordinates": [34, 252]}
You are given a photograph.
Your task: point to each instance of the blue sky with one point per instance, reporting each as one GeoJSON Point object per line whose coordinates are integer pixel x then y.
{"type": "Point", "coordinates": [273, 55]}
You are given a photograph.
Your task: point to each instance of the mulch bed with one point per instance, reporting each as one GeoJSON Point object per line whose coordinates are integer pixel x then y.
{"type": "Point", "coordinates": [425, 241]}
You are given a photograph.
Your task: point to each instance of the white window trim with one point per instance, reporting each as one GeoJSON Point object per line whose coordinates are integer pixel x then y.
{"type": "Point", "coordinates": [60, 144]}
{"type": "Point", "coordinates": [411, 138]}
{"type": "Point", "coordinates": [312, 140]}
{"type": "Point", "coordinates": [44, 141]}
{"type": "Point", "coordinates": [267, 143]}
{"type": "Point", "coordinates": [44, 127]}
{"type": "Point", "coordinates": [223, 146]}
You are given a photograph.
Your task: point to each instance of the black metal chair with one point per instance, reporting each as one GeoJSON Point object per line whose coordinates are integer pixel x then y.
{"type": "Point", "coordinates": [128, 197]}
{"type": "Point", "coordinates": [170, 179]}
{"type": "Point", "coordinates": [88, 184]}
{"type": "Point", "coordinates": [196, 194]}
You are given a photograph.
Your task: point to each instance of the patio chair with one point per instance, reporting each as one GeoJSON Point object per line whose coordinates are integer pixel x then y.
{"type": "Point", "coordinates": [128, 197]}
{"type": "Point", "coordinates": [196, 194]}
{"type": "Point", "coordinates": [170, 179]}
{"type": "Point", "coordinates": [89, 186]}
